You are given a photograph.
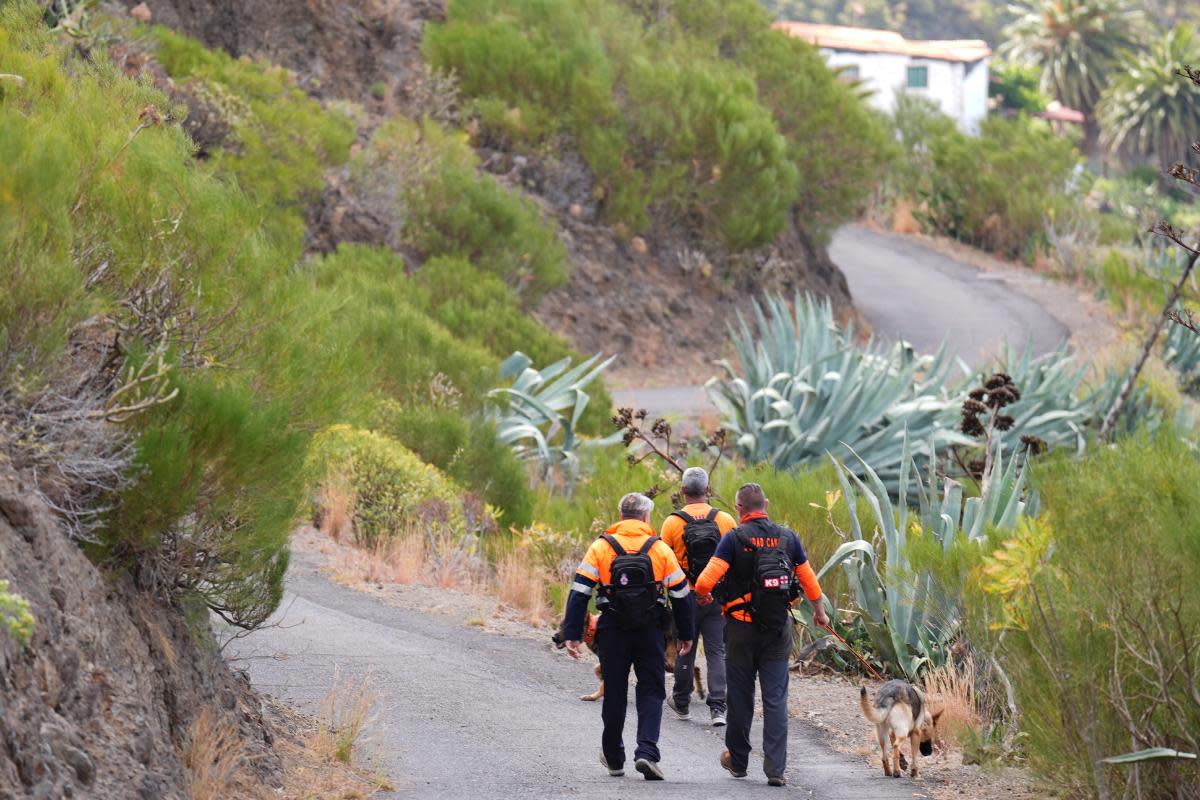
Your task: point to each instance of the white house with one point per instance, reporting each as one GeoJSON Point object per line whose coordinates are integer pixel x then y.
{"type": "Point", "coordinates": [954, 73]}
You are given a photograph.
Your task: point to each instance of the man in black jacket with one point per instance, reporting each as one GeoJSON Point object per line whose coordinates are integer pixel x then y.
{"type": "Point", "coordinates": [767, 567]}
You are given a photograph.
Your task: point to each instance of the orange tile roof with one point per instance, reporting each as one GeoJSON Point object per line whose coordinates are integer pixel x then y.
{"type": "Point", "coordinates": [870, 40]}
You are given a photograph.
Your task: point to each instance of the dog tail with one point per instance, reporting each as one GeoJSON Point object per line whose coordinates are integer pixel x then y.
{"type": "Point", "coordinates": [874, 715]}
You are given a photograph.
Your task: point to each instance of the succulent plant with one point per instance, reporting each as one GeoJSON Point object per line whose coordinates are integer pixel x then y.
{"type": "Point", "coordinates": [539, 412]}
{"type": "Point", "coordinates": [804, 388]}
{"type": "Point", "coordinates": [909, 618]}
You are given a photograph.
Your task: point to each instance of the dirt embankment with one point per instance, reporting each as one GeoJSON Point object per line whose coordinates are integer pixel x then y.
{"type": "Point", "coordinates": [101, 700]}
{"type": "Point", "coordinates": [660, 301]}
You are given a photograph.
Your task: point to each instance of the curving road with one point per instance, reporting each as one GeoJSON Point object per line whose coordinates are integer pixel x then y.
{"type": "Point", "coordinates": [905, 290]}
{"type": "Point", "coordinates": [464, 713]}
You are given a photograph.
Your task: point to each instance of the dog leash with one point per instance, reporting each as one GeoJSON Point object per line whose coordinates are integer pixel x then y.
{"type": "Point", "coordinates": [854, 652]}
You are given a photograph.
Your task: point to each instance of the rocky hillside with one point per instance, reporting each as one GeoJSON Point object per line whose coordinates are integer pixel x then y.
{"type": "Point", "coordinates": [100, 700]}
{"type": "Point", "coordinates": [658, 294]}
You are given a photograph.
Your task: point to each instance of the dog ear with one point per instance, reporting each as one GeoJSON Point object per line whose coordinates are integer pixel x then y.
{"type": "Point", "coordinates": [937, 715]}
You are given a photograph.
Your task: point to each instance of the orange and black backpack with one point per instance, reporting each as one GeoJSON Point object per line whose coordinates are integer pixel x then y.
{"type": "Point", "coordinates": [701, 535]}
{"type": "Point", "coordinates": [633, 596]}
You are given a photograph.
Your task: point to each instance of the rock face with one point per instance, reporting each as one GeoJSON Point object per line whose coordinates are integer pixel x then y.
{"type": "Point", "coordinates": [99, 704]}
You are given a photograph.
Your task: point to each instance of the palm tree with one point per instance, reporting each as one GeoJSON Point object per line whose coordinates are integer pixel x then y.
{"type": "Point", "coordinates": [1076, 43]}
{"type": "Point", "coordinates": [1149, 110]}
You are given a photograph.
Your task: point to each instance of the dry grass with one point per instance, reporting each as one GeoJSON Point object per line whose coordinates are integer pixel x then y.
{"type": "Point", "coordinates": [521, 582]}
{"type": "Point", "coordinates": [338, 501]}
{"type": "Point", "coordinates": [344, 715]}
{"type": "Point", "coordinates": [951, 688]}
{"type": "Point", "coordinates": [214, 758]}
{"type": "Point", "coordinates": [397, 560]}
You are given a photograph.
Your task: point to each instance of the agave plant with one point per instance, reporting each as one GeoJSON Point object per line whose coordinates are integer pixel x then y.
{"type": "Point", "coordinates": [806, 389]}
{"type": "Point", "coordinates": [1181, 352]}
{"type": "Point", "coordinates": [910, 625]}
{"type": "Point", "coordinates": [539, 412]}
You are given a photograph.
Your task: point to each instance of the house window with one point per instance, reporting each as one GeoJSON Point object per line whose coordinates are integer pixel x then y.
{"type": "Point", "coordinates": [918, 77]}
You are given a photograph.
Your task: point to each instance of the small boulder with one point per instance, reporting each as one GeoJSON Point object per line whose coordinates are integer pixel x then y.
{"type": "Point", "coordinates": [141, 12]}
{"type": "Point", "coordinates": [638, 245]}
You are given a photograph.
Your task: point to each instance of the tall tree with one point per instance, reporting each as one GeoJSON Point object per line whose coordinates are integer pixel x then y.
{"type": "Point", "coordinates": [1076, 43]}
{"type": "Point", "coordinates": [1147, 110]}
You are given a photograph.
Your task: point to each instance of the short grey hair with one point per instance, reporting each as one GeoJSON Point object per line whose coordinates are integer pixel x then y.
{"type": "Point", "coordinates": [635, 505]}
{"type": "Point", "coordinates": [695, 482]}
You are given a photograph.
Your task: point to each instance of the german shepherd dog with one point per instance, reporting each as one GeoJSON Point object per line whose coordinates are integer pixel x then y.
{"type": "Point", "coordinates": [901, 711]}
{"type": "Point", "coordinates": [670, 653]}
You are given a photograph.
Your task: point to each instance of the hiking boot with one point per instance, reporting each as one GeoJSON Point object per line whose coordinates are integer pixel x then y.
{"type": "Point", "coordinates": [615, 772]}
{"type": "Point", "coordinates": [727, 763]}
{"type": "Point", "coordinates": [776, 780]}
{"type": "Point", "coordinates": [649, 769]}
{"type": "Point", "coordinates": [680, 711]}
{"type": "Point", "coordinates": [718, 718]}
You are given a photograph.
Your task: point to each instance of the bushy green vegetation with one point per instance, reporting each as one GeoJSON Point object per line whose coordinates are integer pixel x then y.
{"type": "Point", "coordinates": [192, 267]}
{"type": "Point", "coordinates": [281, 141]}
{"type": "Point", "coordinates": [994, 191]}
{"type": "Point", "coordinates": [393, 491]}
{"type": "Point", "coordinates": [1122, 597]}
{"type": "Point", "coordinates": [100, 203]}
{"type": "Point", "coordinates": [446, 208]}
{"type": "Point", "coordinates": [700, 112]}
{"type": "Point", "coordinates": [16, 620]}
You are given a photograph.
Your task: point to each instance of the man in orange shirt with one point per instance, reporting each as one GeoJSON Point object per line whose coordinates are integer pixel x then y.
{"type": "Point", "coordinates": [766, 567]}
{"type": "Point", "coordinates": [694, 532]}
{"type": "Point", "coordinates": [628, 568]}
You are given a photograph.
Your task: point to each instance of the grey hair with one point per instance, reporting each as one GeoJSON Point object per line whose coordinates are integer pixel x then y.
{"type": "Point", "coordinates": [695, 482]}
{"type": "Point", "coordinates": [635, 505]}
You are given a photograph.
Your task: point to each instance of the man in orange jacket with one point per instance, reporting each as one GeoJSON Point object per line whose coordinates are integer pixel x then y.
{"type": "Point", "coordinates": [694, 532]}
{"type": "Point", "coordinates": [628, 568]}
{"type": "Point", "coordinates": [766, 567]}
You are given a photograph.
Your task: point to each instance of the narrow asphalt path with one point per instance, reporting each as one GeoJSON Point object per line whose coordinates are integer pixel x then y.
{"type": "Point", "coordinates": [464, 713]}
{"type": "Point", "coordinates": [907, 291]}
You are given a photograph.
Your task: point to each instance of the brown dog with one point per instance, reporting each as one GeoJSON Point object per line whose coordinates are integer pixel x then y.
{"type": "Point", "coordinates": [901, 711]}
{"type": "Point", "coordinates": [670, 653]}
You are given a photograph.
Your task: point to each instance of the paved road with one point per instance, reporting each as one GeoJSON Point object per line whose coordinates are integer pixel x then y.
{"type": "Point", "coordinates": [907, 291]}
{"type": "Point", "coordinates": [464, 713]}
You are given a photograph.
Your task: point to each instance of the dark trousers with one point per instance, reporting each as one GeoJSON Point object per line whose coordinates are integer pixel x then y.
{"type": "Point", "coordinates": [643, 650]}
{"type": "Point", "coordinates": [751, 653]}
{"type": "Point", "coordinates": [710, 626]}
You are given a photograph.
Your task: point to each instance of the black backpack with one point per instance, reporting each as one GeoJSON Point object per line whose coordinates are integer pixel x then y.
{"type": "Point", "coordinates": [773, 587]}
{"type": "Point", "coordinates": [701, 535]}
{"type": "Point", "coordinates": [634, 596]}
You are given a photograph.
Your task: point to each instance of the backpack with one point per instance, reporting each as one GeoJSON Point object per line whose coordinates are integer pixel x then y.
{"type": "Point", "coordinates": [773, 587]}
{"type": "Point", "coordinates": [700, 539]}
{"type": "Point", "coordinates": [634, 596]}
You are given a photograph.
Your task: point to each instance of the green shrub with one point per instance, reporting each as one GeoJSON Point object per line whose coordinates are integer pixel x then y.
{"type": "Point", "coordinates": [994, 190]}
{"type": "Point", "coordinates": [394, 490]}
{"type": "Point", "coordinates": [465, 448]}
{"type": "Point", "coordinates": [1122, 596]}
{"type": "Point", "coordinates": [702, 112]}
{"type": "Point", "coordinates": [447, 208]}
{"type": "Point", "coordinates": [16, 620]}
{"type": "Point", "coordinates": [358, 302]}
{"type": "Point", "coordinates": [479, 308]}
{"type": "Point", "coordinates": [283, 140]}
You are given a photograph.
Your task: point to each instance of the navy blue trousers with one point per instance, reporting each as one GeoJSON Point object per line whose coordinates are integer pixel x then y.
{"type": "Point", "coordinates": [750, 653]}
{"type": "Point", "coordinates": [643, 651]}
